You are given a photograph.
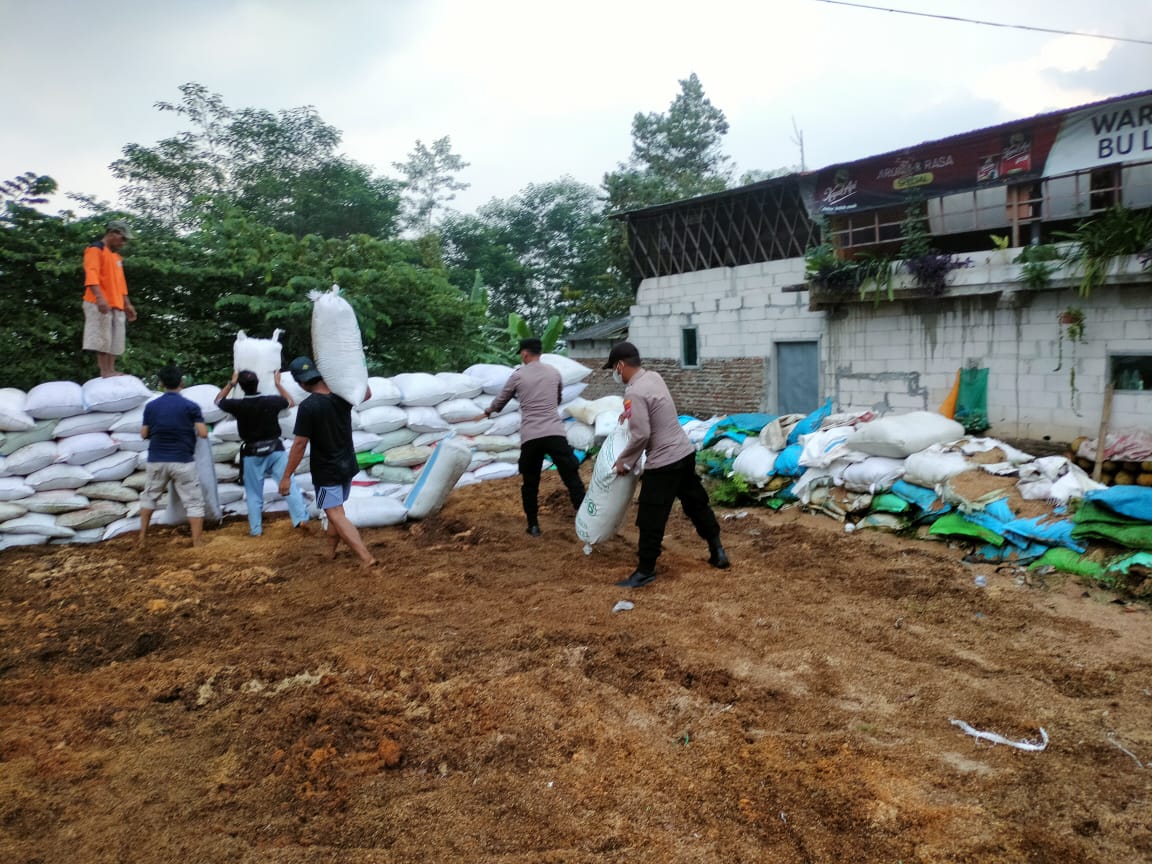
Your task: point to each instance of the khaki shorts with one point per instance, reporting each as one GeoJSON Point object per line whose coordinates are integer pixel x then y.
{"type": "Point", "coordinates": [103, 331]}
{"type": "Point", "coordinates": [183, 476]}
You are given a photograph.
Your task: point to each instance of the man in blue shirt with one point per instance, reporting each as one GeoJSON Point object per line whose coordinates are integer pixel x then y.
{"type": "Point", "coordinates": [263, 455]}
{"type": "Point", "coordinates": [171, 426]}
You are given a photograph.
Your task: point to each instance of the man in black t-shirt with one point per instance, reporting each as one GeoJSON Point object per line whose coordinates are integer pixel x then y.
{"type": "Point", "coordinates": [262, 453]}
{"type": "Point", "coordinates": [324, 420]}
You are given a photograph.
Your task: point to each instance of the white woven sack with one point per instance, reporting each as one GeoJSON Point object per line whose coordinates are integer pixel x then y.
{"type": "Point", "coordinates": [392, 474]}
{"type": "Point", "coordinates": [82, 449]}
{"type": "Point", "coordinates": [407, 456]}
{"type": "Point", "coordinates": [421, 388]}
{"type": "Point", "coordinates": [262, 356]}
{"type": "Point", "coordinates": [11, 509]}
{"type": "Point", "coordinates": [461, 385]}
{"type": "Point", "coordinates": [60, 476]}
{"type": "Point", "coordinates": [375, 511]}
{"type": "Point", "coordinates": [382, 418]}
{"type": "Point", "coordinates": [116, 394]}
{"type": "Point", "coordinates": [572, 391]}
{"type": "Point", "coordinates": [205, 395]}
{"type": "Point", "coordinates": [54, 399]}
{"type": "Point", "coordinates": [874, 475]}
{"type": "Point", "coordinates": [339, 351]}
{"type": "Point", "coordinates": [116, 466]}
{"type": "Point", "coordinates": [35, 523]}
{"type": "Point", "coordinates": [129, 421]}
{"type": "Point", "coordinates": [608, 420]}
{"type": "Point", "coordinates": [424, 418]}
{"type": "Point", "coordinates": [588, 412]}
{"type": "Point", "coordinates": [609, 494]}
{"type": "Point", "coordinates": [100, 514]}
{"type": "Point", "coordinates": [512, 456]}
{"type": "Point", "coordinates": [31, 458]}
{"type": "Point", "coordinates": [130, 441]}
{"type": "Point", "coordinates": [395, 438]}
{"type": "Point", "coordinates": [901, 435]}
{"type": "Point", "coordinates": [933, 466]}
{"type": "Point", "coordinates": [570, 371]}
{"type": "Point", "coordinates": [427, 439]}
{"type": "Point", "coordinates": [108, 490]}
{"type": "Point", "coordinates": [438, 477]}
{"type": "Point", "coordinates": [128, 525]}
{"type": "Point", "coordinates": [458, 410]}
{"type": "Point", "coordinates": [505, 424]}
{"type": "Point", "coordinates": [288, 422]}
{"type": "Point", "coordinates": [472, 427]}
{"type": "Point", "coordinates": [55, 501]}
{"type": "Point", "coordinates": [14, 488]}
{"type": "Point", "coordinates": [82, 424]}
{"type": "Point", "coordinates": [225, 451]}
{"type": "Point", "coordinates": [822, 448]}
{"type": "Point", "coordinates": [11, 541]}
{"type": "Point", "coordinates": [480, 458]}
{"type": "Point", "coordinates": [485, 400]}
{"type": "Point", "coordinates": [384, 392]}
{"type": "Point", "coordinates": [580, 436]}
{"type": "Point", "coordinates": [13, 417]}
{"type": "Point", "coordinates": [10, 442]}
{"type": "Point", "coordinates": [466, 479]}
{"type": "Point", "coordinates": [226, 430]}
{"type": "Point", "coordinates": [492, 376]}
{"type": "Point", "coordinates": [494, 443]}
{"type": "Point", "coordinates": [495, 471]}
{"type": "Point", "coordinates": [755, 463]}
{"type": "Point", "coordinates": [93, 535]}
{"type": "Point", "coordinates": [228, 493]}
{"type": "Point", "coordinates": [363, 441]}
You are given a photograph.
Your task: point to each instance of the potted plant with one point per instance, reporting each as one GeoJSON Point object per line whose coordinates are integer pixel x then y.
{"type": "Point", "coordinates": [1071, 327]}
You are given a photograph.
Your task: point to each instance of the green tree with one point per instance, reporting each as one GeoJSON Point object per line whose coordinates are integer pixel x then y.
{"type": "Point", "coordinates": [283, 167]}
{"type": "Point", "coordinates": [429, 182]}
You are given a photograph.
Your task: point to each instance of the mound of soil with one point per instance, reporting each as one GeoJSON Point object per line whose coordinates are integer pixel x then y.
{"type": "Point", "coordinates": [476, 698]}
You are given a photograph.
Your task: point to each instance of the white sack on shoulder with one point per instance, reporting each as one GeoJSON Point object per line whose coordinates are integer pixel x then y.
{"type": "Point", "coordinates": [339, 351]}
{"type": "Point", "coordinates": [262, 356]}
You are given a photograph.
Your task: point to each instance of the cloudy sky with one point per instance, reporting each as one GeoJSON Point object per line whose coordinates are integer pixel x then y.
{"type": "Point", "coordinates": [530, 90]}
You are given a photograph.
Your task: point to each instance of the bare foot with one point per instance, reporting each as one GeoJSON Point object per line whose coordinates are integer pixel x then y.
{"type": "Point", "coordinates": [330, 548]}
{"type": "Point", "coordinates": [369, 564]}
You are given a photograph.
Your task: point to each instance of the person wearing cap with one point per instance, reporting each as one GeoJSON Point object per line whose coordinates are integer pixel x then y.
{"type": "Point", "coordinates": [171, 427]}
{"type": "Point", "coordinates": [324, 421]}
{"type": "Point", "coordinates": [262, 453]}
{"type": "Point", "coordinates": [106, 303]}
{"type": "Point", "coordinates": [537, 386]}
{"type": "Point", "coordinates": [669, 464]}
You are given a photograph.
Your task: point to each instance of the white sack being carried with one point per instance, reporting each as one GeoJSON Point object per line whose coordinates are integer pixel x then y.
{"type": "Point", "coordinates": [374, 511]}
{"type": "Point", "coordinates": [205, 395]}
{"type": "Point", "coordinates": [492, 376]}
{"type": "Point", "coordinates": [438, 477]}
{"type": "Point", "coordinates": [570, 371]}
{"type": "Point", "coordinates": [609, 494]}
{"type": "Point", "coordinates": [755, 463]}
{"type": "Point", "coordinates": [116, 394]}
{"type": "Point", "coordinates": [902, 435]}
{"type": "Point", "coordinates": [175, 514]}
{"type": "Point", "coordinates": [54, 399]}
{"type": "Point", "coordinates": [421, 389]}
{"type": "Point", "coordinates": [384, 392]}
{"type": "Point", "coordinates": [461, 385]}
{"type": "Point", "coordinates": [262, 356]}
{"type": "Point", "coordinates": [339, 351]}
{"type": "Point", "coordinates": [13, 417]}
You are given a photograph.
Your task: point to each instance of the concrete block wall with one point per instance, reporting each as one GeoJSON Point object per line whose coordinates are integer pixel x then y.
{"type": "Point", "coordinates": [716, 387]}
{"type": "Point", "coordinates": [904, 355]}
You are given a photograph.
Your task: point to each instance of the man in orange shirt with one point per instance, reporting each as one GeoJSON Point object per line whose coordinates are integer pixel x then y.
{"type": "Point", "coordinates": [106, 303]}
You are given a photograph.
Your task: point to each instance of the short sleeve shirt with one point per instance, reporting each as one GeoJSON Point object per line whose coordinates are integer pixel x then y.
{"type": "Point", "coordinates": [105, 268]}
{"type": "Point", "coordinates": [326, 421]}
{"type": "Point", "coordinates": [257, 417]}
{"type": "Point", "coordinates": [171, 422]}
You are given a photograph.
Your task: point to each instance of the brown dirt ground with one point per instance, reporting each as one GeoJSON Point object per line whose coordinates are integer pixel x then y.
{"type": "Point", "coordinates": [476, 699]}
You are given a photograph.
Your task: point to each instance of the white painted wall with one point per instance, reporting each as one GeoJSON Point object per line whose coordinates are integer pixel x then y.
{"type": "Point", "coordinates": [903, 355]}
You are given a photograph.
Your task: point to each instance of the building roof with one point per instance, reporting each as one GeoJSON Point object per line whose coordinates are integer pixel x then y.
{"type": "Point", "coordinates": [607, 329]}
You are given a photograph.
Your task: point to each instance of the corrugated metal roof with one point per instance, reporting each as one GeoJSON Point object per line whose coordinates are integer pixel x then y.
{"type": "Point", "coordinates": [606, 329]}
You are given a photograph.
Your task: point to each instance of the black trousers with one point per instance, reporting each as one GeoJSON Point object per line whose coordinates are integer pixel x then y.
{"type": "Point", "coordinates": [532, 453]}
{"type": "Point", "coordinates": [659, 488]}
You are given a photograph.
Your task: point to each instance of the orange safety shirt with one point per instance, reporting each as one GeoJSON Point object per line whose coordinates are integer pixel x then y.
{"type": "Point", "coordinates": [105, 268]}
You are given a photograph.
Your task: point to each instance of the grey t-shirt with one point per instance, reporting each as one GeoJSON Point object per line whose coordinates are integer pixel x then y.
{"type": "Point", "coordinates": [537, 386]}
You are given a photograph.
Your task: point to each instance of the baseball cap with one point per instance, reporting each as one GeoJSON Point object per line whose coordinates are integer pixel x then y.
{"type": "Point", "coordinates": [622, 351]}
{"type": "Point", "coordinates": [120, 227]}
{"type": "Point", "coordinates": [304, 370]}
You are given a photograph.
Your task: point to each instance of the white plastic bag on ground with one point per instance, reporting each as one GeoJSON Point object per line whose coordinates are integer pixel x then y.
{"type": "Point", "coordinates": [609, 494]}
{"type": "Point", "coordinates": [438, 477]}
{"type": "Point", "coordinates": [116, 394]}
{"type": "Point", "coordinates": [902, 435]}
{"type": "Point", "coordinates": [336, 343]}
{"type": "Point", "coordinates": [262, 356]}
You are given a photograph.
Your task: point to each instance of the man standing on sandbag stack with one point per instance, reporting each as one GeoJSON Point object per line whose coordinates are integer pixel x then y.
{"type": "Point", "coordinates": [171, 426]}
{"type": "Point", "coordinates": [106, 303]}
{"type": "Point", "coordinates": [324, 420]}
{"type": "Point", "coordinates": [262, 453]}
{"type": "Point", "coordinates": [669, 467]}
{"type": "Point", "coordinates": [537, 386]}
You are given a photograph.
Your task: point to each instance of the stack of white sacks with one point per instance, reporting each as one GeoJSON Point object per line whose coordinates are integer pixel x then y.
{"type": "Point", "coordinates": [72, 460]}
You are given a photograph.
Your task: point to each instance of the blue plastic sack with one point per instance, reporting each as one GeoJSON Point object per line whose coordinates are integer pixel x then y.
{"type": "Point", "coordinates": [810, 423]}
{"type": "Point", "coordinates": [788, 462]}
{"type": "Point", "coordinates": [1135, 502]}
{"type": "Point", "coordinates": [738, 427]}
{"type": "Point", "coordinates": [926, 499]}
{"type": "Point", "coordinates": [1057, 533]}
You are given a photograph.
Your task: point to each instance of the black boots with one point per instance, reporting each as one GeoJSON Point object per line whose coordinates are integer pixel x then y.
{"type": "Point", "coordinates": [533, 530]}
{"type": "Point", "coordinates": [637, 580]}
{"type": "Point", "coordinates": [717, 557]}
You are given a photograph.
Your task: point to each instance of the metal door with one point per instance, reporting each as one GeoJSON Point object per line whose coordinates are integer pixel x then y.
{"type": "Point", "coordinates": [797, 377]}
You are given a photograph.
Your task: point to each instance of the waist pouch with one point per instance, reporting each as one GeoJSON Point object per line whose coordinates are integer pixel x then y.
{"type": "Point", "coordinates": [261, 448]}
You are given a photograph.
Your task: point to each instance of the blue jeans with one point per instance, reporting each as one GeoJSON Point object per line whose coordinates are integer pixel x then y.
{"type": "Point", "coordinates": [256, 468]}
